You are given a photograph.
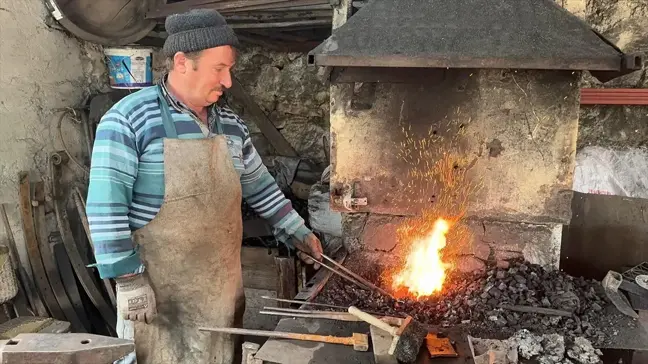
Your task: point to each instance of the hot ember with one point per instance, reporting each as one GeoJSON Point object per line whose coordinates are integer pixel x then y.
{"type": "Point", "coordinates": [424, 271]}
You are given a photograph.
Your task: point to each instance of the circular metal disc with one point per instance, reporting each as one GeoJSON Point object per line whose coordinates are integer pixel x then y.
{"type": "Point", "coordinates": [107, 22]}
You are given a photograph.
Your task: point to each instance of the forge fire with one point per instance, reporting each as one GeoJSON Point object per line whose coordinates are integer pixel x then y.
{"type": "Point", "coordinates": [424, 271]}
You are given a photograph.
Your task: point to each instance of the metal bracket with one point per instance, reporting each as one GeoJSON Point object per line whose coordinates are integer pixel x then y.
{"type": "Point", "coordinates": [347, 199]}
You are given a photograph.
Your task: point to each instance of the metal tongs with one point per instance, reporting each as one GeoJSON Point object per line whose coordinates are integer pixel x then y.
{"type": "Point", "coordinates": [349, 275]}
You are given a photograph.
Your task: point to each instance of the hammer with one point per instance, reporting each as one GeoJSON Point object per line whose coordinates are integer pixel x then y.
{"type": "Point", "coordinates": [407, 339]}
{"type": "Point", "coordinates": [360, 342]}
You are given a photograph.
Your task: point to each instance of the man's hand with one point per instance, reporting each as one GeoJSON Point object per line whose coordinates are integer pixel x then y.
{"type": "Point", "coordinates": [311, 246]}
{"type": "Point", "coordinates": [135, 298]}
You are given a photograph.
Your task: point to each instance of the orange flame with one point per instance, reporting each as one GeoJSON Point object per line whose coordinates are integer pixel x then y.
{"type": "Point", "coordinates": [424, 271]}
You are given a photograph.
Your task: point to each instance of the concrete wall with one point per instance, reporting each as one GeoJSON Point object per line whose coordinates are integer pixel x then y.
{"type": "Point", "coordinates": [42, 71]}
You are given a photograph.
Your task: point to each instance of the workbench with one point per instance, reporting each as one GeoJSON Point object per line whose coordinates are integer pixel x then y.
{"type": "Point", "coordinates": [301, 352]}
{"type": "Point", "coordinates": [631, 336]}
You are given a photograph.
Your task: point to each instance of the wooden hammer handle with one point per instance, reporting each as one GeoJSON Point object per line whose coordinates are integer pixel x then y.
{"type": "Point", "coordinates": [283, 335]}
{"type": "Point", "coordinates": [373, 320]}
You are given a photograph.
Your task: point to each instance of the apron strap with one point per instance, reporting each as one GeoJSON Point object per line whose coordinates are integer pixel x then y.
{"type": "Point", "coordinates": [167, 120]}
{"type": "Point", "coordinates": [219, 126]}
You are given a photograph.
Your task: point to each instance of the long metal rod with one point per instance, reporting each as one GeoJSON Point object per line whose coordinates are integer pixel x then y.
{"type": "Point", "coordinates": [338, 316]}
{"type": "Point", "coordinates": [314, 312]}
{"type": "Point", "coordinates": [282, 335]}
{"type": "Point", "coordinates": [303, 302]}
{"type": "Point", "coordinates": [335, 271]}
{"type": "Point", "coordinates": [362, 280]}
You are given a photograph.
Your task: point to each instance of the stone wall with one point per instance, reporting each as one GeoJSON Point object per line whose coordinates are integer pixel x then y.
{"type": "Point", "coordinates": [43, 71]}
{"type": "Point", "coordinates": [625, 23]}
{"type": "Point", "coordinates": [292, 94]}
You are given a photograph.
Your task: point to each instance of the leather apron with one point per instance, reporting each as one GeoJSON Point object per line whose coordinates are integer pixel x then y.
{"type": "Point", "coordinates": [192, 254]}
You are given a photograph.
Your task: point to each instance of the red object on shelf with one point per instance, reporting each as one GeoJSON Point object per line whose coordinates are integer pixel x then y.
{"type": "Point", "coordinates": [614, 96]}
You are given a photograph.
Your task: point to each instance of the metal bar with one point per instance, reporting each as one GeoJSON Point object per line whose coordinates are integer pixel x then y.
{"type": "Point", "coordinates": [279, 6]}
{"type": "Point", "coordinates": [299, 302]}
{"type": "Point", "coordinates": [49, 261]}
{"type": "Point", "coordinates": [335, 271]}
{"type": "Point", "coordinates": [286, 24]}
{"type": "Point", "coordinates": [300, 6]}
{"type": "Point", "coordinates": [31, 241]}
{"type": "Point", "coordinates": [349, 272]}
{"type": "Point", "coordinates": [269, 17]}
{"type": "Point", "coordinates": [314, 312]}
{"type": "Point", "coordinates": [315, 285]}
{"type": "Point", "coordinates": [614, 96]}
{"type": "Point", "coordinates": [69, 281]}
{"type": "Point", "coordinates": [104, 308]}
{"type": "Point", "coordinates": [283, 335]}
{"type": "Point", "coordinates": [339, 316]}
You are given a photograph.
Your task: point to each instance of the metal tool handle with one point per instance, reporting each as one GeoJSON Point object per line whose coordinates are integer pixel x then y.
{"type": "Point", "coordinates": [283, 335]}
{"type": "Point", "coordinates": [373, 320]}
{"type": "Point", "coordinates": [357, 277]}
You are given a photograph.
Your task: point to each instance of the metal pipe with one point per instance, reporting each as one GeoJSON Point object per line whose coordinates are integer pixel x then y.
{"type": "Point", "coordinates": [349, 272]}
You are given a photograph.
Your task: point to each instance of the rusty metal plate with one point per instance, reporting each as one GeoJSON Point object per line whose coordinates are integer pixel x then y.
{"type": "Point", "coordinates": [480, 142]}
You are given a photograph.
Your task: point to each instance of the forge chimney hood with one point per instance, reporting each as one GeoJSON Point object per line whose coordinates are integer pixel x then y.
{"type": "Point", "coordinates": [522, 34]}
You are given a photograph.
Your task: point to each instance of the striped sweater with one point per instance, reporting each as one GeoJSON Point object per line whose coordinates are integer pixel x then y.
{"type": "Point", "coordinates": [127, 176]}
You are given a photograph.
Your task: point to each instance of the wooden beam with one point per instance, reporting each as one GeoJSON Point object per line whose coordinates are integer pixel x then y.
{"type": "Point", "coordinates": [268, 129]}
{"type": "Point", "coordinates": [165, 10]}
{"type": "Point", "coordinates": [287, 283]}
{"type": "Point", "coordinates": [258, 268]}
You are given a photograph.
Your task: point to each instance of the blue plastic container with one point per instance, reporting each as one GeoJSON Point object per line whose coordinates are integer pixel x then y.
{"type": "Point", "coordinates": [129, 67]}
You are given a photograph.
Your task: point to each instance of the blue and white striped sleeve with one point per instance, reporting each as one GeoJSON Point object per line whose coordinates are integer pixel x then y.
{"type": "Point", "coordinates": [113, 170]}
{"type": "Point", "coordinates": [261, 191]}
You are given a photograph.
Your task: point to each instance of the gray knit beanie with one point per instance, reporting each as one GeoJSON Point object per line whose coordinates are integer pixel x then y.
{"type": "Point", "coordinates": [196, 30]}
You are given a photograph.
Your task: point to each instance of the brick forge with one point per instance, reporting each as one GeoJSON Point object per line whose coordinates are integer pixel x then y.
{"type": "Point", "coordinates": [512, 134]}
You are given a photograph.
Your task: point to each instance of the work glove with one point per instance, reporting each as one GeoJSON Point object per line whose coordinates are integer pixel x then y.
{"type": "Point", "coordinates": [135, 298]}
{"type": "Point", "coordinates": [311, 246]}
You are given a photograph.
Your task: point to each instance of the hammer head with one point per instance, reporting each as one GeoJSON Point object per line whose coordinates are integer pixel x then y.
{"type": "Point", "coordinates": [408, 342]}
{"type": "Point", "coordinates": [360, 342]}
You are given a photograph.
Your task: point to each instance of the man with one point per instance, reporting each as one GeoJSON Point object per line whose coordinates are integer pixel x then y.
{"type": "Point", "coordinates": [169, 168]}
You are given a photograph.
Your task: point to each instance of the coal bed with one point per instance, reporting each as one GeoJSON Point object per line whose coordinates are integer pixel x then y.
{"type": "Point", "coordinates": [485, 303]}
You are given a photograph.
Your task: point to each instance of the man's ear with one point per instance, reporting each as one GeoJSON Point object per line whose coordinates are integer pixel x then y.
{"type": "Point", "coordinates": [180, 62]}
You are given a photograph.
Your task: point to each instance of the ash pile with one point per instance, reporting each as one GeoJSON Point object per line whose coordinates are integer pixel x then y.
{"type": "Point", "coordinates": [475, 302]}
{"type": "Point", "coordinates": [525, 347]}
